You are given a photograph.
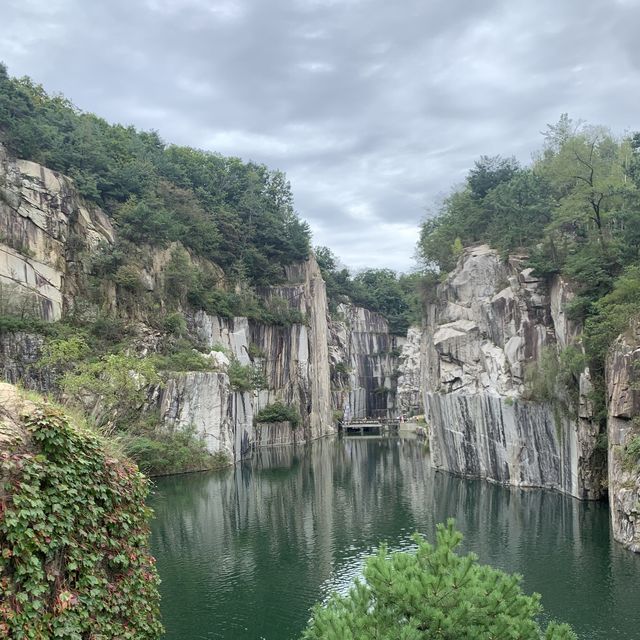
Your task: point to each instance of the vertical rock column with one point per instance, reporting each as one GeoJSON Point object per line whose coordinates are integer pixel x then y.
{"type": "Point", "coordinates": [623, 430]}
{"type": "Point", "coordinates": [316, 311]}
{"type": "Point", "coordinates": [364, 357]}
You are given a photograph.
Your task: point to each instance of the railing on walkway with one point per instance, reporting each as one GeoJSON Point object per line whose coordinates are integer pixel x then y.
{"type": "Point", "coordinates": [369, 425]}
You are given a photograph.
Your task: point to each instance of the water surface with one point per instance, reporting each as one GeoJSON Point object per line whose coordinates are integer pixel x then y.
{"type": "Point", "coordinates": [244, 553]}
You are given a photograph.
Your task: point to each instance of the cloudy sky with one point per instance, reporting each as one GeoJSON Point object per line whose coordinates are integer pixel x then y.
{"type": "Point", "coordinates": [373, 108]}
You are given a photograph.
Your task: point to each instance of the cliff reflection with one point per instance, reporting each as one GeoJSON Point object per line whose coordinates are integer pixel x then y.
{"type": "Point", "coordinates": [244, 553]}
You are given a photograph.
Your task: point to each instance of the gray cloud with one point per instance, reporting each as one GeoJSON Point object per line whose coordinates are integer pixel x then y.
{"type": "Point", "coordinates": [374, 109]}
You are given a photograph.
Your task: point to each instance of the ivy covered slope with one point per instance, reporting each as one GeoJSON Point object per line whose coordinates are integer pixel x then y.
{"type": "Point", "coordinates": [73, 531]}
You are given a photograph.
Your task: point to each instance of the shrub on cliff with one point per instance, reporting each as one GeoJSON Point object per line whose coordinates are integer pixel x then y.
{"type": "Point", "coordinates": [161, 452]}
{"type": "Point", "coordinates": [74, 534]}
{"type": "Point", "coordinates": [278, 412]}
{"type": "Point", "coordinates": [246, 377]}
{"type": "Point", "coordinates": [432, 594]}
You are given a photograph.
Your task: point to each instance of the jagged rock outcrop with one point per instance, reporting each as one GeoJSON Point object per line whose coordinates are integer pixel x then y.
{"type": "Point", "coordinates": [492, 319]}
{"type": "Point", "coordinates": [364, 362]}
{"type": "Point", "coordinates": [43, 225]}
{"type": "Point", "coordinates": [623, 434]}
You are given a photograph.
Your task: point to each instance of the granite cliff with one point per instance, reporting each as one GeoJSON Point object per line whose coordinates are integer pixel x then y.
{"type": "Point", "coordinates": [491, 327]}
{"type": "Point", "coordinates": [623, 430]}
{"type": "Point", "coordinates": [51, 240]}
{"type": "Point", "coordinates": [48, 237]}
{"type": "Point", "coordinates": [498, 402]}
{"type": "Point", "coordinates": [294, 361]}
{"type": "Point", "coordinates": [364, 363]}
{"type": "Point", "coordinates": [491, 321]}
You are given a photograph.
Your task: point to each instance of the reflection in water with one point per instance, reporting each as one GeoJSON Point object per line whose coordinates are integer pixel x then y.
{"type": "Point", "coordinates": [245, 553]}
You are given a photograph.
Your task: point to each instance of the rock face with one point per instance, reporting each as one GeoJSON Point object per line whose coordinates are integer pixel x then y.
{"type": "Point", "coordinates": [294, 360]}
{"type": "Point", "coordinates": [19, 355]}
{"type": "Point", "coordinates": [364, 361]}
{"type": "Point", "coordinates": [46, 228]}
{"type": "Point", "coordinates": [491, 319]}
{"type": "Point", "coordinates": [623, 431]}
{"type": "Point", "coordinates": [43, 224]}
{"type": "Point", "coordinates": [202, 401]}
{"type": "Point", "coordinates": [409, 393]}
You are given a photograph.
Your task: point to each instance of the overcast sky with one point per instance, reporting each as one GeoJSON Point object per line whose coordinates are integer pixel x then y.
{"type": "Point", "coordinates": [373, 108]}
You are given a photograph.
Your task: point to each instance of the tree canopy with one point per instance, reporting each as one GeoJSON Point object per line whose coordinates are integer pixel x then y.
{"type": "Point", "coordinates": [575, 211]}
{"type": "Point", "coordinates": [433, 594]}
{"type": "Point", "coordinates": [395, 296]}
{"type": "Point", "coordinates": [237, 214]}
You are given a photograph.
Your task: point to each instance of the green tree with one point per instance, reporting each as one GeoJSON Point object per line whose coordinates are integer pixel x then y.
{"type": "Point", "coordinates": [488, 172]}
{"type": "Point", "coordinates": [236, 214]}
{"type": "Point", "coordinates": [432, 594]}
{"type": "Point", "coordinates": [380, 290]}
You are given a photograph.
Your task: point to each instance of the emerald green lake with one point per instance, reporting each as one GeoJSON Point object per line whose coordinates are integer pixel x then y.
{"type": "Point", "coordinates": [244, 553]}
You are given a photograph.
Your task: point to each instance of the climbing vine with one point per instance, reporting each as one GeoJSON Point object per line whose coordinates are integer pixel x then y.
{"type": "Point", "coordinates": [73, 528]}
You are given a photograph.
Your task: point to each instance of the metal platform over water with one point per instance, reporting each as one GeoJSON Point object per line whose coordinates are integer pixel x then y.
{"type": "Point", "coordinates": [372, 426]}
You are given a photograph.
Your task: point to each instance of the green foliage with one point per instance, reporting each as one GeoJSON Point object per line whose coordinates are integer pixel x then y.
{"type": "Point", "coordinates": [110, 330]}
{"type": "Point", "coordinates": [489, 173]}
{"type": "Point", "coordinates": [183, 360]}
{"type": "Point", "coordinates": [236, 214]}
{"type": "Point", "coordinates": [254, 351]}
{"type": "Point", "coordinates": [342, 369]}
{"type": "Point", "coordinates": [128, 277]}
{"type": "Point", "coordinates": [610, 315]}
{"type": "Point", "coordinates": [117, 380]}
{"type": "Point", "coordinates": [457, 248]}
{"type": "Point", "coordinates": [186, 283]}
{"type": "Point", "coordinates": [631, 456]}
{"type": "Point", "coordinates": [277, 311]}
{"type": "Point", "coordinates": [246, 377]}
{"type": "Point", "coordinates": [64, 352]}
{"type": "Point", "coordinates": [396, 296]}
{"type": "Point", "coordinates": [175, 324]}
{"type": "Point", "coordinates": [13, 324]}
{"type": "Point", "coordinates": [74, 530]}
{"type": "Point", "coordinates": [147, 221]}
{"type": "Point", "coordinates": [163, 452]}
{"type": "Point", "coordinates": [541, 377]}
{"type": "Point", "coordinates": [432, 593]}
{"type": "Point", "coordinates": [279, 412]}
{"type": "Point", "coordinates": [511, 214]}
{"type": "Point", "coordinates": [554, 379]}
{"type": "Point", "coordinates": [180, 276]}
